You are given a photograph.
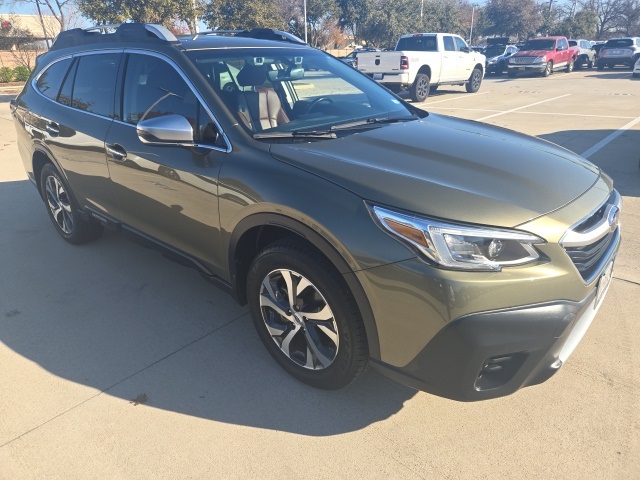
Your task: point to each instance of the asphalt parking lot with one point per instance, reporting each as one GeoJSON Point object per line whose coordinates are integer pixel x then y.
{"type": "Point", "coordinates": [116, 363]}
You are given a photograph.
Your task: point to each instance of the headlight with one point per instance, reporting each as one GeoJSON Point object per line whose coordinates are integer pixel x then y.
{"type": "Point", "coordinates": [540, 60]}
{"type": "Point", "coordinates": [492, 61]}
{"type": "Point", "coordinates": [460, 247]}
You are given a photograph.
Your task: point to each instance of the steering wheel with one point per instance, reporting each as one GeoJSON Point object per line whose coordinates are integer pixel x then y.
{"type": "Point", "coordinates": [315, 102]}
{"type": "Point", "coordinates": [229, 87]}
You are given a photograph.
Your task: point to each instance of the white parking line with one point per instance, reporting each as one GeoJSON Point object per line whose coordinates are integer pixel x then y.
{"type": "Point", "coordinates": [456, 98]}
{"type": "Point", "coordinates": [522, 108]}
{"type": "Point", "coordinates": [609, 138]}
{"type": "Point", "coordinates": [537, 113]}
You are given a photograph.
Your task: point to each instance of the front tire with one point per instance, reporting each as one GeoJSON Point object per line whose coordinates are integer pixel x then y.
{"type": "Point", "coordinates": [420, 89]}
{"type": "Point", "coordinates": [63, 210]}
{"type": "Point", "coordinates": [548, 69]}
{"type": "Point", "coordinates": [306, 316]}
{"type": "Point", "coordinates": [473, 85]}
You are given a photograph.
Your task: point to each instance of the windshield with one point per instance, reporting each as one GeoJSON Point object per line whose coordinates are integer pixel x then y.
{"type": "Point", "coordinates": [279, 90]}
{"type": "Point", "coordinates": [539, 45]}
{"type": "Point", "coordinates": [493, 51]}
{"type": "Point", "coordinates": [620, 42]}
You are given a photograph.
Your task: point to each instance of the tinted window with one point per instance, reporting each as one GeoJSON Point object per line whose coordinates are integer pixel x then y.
{"type": "Point", "coordinates": [418, 44]}
{"type": "Point", "coordinates": [448, 44]}
{"type": "Point", "coordinates": [153, 88]}
{"type": "Point", "coordinates": [619, 42]}
{"type": "Point", "coordinates": [50, 81]}
{"type": "Point", "coordinates": [67, 87]}
{"type": "Point", "coordinates": [94, 86]}
{"type": "Point", "coordinates": [573, 43]}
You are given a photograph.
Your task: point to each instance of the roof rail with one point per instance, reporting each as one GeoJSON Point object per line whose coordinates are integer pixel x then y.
{"type": "Point", "coordinates": [125, 32]}
{"type": "Point", "coordinates": [258, 33]}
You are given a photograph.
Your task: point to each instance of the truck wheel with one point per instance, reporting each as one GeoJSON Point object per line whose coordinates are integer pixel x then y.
{"type": "Point", "coordinates": [570, 65]}
{"type": "Point", "coordinates": [473, 85]}
{"type": "Point", "coordinates": [580, 62]}
{"type": "Point", "coordinates": [420, 89]}
{"type": "Point", "coordinates": [306, 316]}
{"type": "Point", "coordinates": [548, 69]}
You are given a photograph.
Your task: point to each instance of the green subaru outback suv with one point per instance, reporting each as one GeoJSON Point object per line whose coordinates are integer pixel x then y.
{"type": "Point", "coordinates": [459, 258]}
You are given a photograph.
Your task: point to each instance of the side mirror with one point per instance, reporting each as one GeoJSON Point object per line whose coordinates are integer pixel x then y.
{"type": "Point", "coordinates": [168, 129]}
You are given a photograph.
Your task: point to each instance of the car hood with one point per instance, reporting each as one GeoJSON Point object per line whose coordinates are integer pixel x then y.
{"type": "Point", "coordinates": [532, 53]}
{"type": "Point", "coordinates": [449, 168]}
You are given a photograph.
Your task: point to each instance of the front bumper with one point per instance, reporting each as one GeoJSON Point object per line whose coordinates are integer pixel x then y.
{"type": "Point", "coordinates": [529, 67]}
{"type": "Point", "coordinates": [483, 336]}
{"type": "Point", "coordinates": [492, 354]}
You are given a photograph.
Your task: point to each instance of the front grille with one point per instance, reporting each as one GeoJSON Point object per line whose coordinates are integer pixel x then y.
{"type": "Point", "coordinates": [522, 60]}
{"type": "Point", "coordinates": [589, 243]}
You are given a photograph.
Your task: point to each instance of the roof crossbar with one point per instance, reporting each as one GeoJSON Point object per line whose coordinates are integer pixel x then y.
{"type": "Point", "coordinates": [258, 33]}
{"type": "Point", "coordinates": [124, 32]}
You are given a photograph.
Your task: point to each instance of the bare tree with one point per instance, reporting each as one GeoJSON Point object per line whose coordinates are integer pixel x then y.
{"type": "Point", "coordinates": [608, 13]}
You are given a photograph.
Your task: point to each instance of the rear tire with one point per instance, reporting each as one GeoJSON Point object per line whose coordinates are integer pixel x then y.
{"type": "Point", "coordinates": [475, 80]}
{"type": "Point", "coordinates": [419, 91]}
{"type": "Point", "coordinates": [63, 210]}
{"type": "Point", "coordinates": [306, 316]}
{"type": "Point", "coordinates": [570, 66]}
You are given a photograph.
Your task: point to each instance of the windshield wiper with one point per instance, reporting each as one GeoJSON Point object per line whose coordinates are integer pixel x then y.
{"type": "Point", "coordinates": [331, 131]}
{"type": "Point", "coordinates": [372, 122]}
{"type": "Point", "coordinates": [297, 134]}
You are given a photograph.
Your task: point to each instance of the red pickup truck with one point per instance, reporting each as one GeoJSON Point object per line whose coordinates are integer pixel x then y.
{"type": "Point", "coordinates": [543, 55]}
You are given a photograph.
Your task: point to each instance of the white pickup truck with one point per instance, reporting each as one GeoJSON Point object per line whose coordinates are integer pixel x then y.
{"type": "Point", "coordinates": [423, 61]}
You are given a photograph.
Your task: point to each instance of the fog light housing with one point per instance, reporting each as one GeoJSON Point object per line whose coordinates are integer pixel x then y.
{"type": "Point", "coordinates": [499, 370]}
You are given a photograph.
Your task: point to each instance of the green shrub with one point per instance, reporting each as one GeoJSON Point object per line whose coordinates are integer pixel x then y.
{"type": "Point", "coordinates": [6, 74]}
{"type": "Point", "coordinates": [21, 73]}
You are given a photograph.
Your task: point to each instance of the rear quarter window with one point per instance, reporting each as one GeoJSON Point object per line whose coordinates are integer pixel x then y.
{"type": "Point", "coordinates": [50, 81]}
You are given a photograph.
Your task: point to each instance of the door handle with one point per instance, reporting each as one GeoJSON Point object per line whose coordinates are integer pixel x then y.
{"type": "Point", "coordinates": [117, 152]}
{"type": "Point", "coordinates": [53, 129]}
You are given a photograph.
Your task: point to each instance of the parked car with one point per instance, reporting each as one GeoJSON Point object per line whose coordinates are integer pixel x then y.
{"type": "Point", "coordinates": [457, 257]}
{"type": "Point", "coordinates": [422, 62]}
{"type": "Point", "coordinates": [543, 55]}
{"type": "Point", "coordinates": [619, 51]}
{"type": "Point", "coordinates": [586, 55]}
{"type": "Point", "coordinates": [497, 57]}
{"type": "Point", "coordinates": [350, 59]}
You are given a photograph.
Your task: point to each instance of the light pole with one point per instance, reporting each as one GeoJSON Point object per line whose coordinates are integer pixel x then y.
{"type": "Point", "coordinates": [421, 8]}
{"type": "Point", "coordinates": [305, 22]}
{"type": "Point", "coordinates": [473, 9]}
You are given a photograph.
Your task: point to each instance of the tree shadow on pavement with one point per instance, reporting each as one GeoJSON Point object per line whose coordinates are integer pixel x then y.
{"type": "Point", "coordinates": [122, 320]}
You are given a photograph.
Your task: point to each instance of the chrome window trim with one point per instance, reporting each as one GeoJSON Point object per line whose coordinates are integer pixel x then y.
{"type": "Point", "coordinates": [175, 66]}
{"type": "Point", "coordinates": [34, 83]}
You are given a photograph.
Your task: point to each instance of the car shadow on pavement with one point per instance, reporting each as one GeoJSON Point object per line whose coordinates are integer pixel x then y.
{"type": "Point", "coordinates": [122, 320]}
{"type": "Point", "coordinates": [623, 167]}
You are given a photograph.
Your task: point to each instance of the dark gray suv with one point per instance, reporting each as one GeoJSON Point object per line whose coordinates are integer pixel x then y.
{"type": "Point", "coordinates": [459, 258]}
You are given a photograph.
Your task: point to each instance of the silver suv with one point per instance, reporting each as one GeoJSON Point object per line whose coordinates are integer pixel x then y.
{"type": "Point", "coordinates": [619, 51]}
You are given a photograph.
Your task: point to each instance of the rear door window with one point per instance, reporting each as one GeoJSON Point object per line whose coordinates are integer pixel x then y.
{"type": "Point", "coordinates": [94, 85]}
{"type": "Point", "coordinates": [50, 81]}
